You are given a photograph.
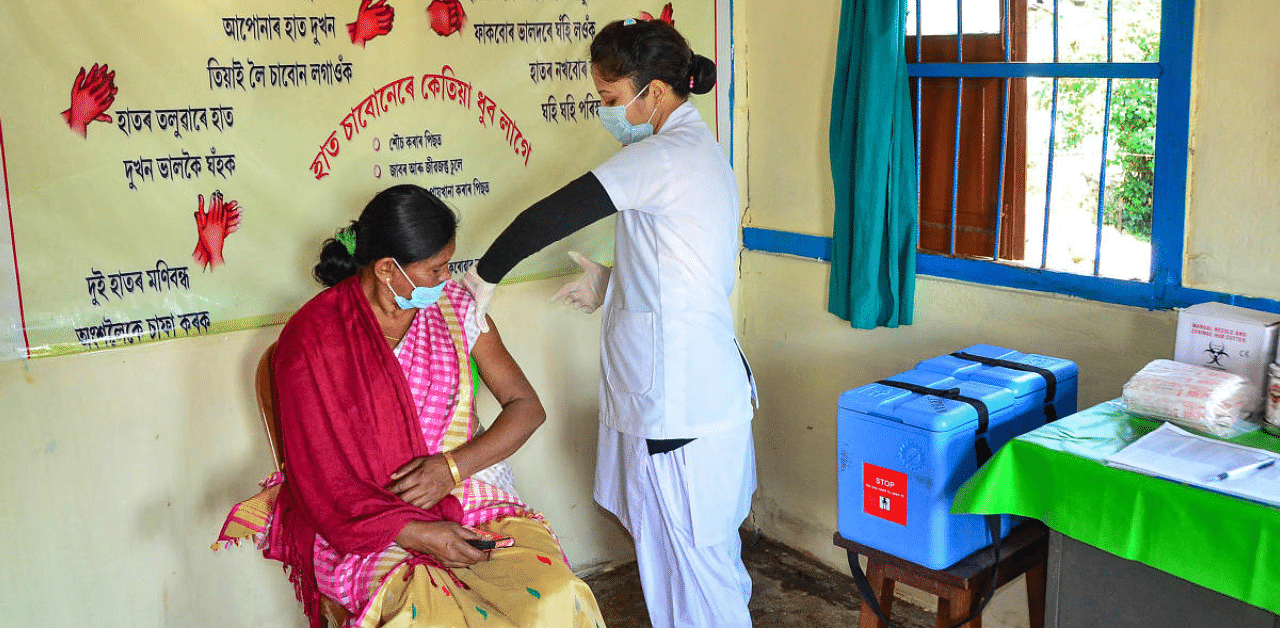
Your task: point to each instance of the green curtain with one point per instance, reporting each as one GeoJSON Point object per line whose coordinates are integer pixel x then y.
{"type": "Point", "coordinates": [873, 166]}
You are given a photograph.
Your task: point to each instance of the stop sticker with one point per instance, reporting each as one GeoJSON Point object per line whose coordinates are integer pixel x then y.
{"type": "Point", "coordinates": [884, 493]}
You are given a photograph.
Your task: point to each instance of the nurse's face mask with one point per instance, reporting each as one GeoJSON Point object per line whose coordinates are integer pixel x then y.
{"type": "Point", "coordinates": [420, 297]}
{"type": "Point", "coordinates": [615, 122]}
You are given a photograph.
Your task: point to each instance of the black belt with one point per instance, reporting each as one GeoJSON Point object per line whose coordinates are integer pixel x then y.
{"type": "Point", "coordinates": [869, 595]}
{"type": "Point", "coordinates": [981, 448]}
{"type": "Point", "coordinates": [1050, 380]}
{"type": "Point", "coordinates": [665, 445]}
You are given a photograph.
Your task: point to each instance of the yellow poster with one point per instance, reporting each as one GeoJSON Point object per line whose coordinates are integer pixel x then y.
{"type": "Point", "coordinates": [170, 168]}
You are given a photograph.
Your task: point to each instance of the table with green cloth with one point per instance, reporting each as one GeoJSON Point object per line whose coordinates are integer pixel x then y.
{"type": "Point", "coordinates": [1057, 474]}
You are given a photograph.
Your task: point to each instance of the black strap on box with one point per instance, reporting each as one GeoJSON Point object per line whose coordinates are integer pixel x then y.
{"type": "Point", "coordinates": [980, 446]}
{"type": "Point", "coordinates": [869, 595]}
{"type": "Point", "coordinates": [982, 450]}
{"type": "Point", "coordinates": [1050, 380]}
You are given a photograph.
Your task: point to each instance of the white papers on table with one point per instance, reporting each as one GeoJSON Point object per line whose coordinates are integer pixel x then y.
{"type": "Point", "coordinates": [1174, 453]}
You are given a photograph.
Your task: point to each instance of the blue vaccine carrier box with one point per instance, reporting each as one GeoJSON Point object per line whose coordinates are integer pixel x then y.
{"type": "Point", "coordinates": [902, 454]}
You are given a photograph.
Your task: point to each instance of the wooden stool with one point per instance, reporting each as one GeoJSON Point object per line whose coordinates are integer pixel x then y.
{"type": "Point", "coordinates": [1025, 550]}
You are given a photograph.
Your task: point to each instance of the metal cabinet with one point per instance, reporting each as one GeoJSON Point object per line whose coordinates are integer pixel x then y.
{"type": "Point", "coordinates": [1090, 588]}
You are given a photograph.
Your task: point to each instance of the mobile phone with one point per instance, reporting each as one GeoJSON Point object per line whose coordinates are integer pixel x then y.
{"type": "Point", "coordinates": [483, 544]}
{"type": "Point", "coordinates": [489, 540]}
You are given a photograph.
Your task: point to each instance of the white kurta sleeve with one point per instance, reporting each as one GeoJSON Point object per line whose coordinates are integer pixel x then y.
{"type": "Point", "coordinates": [632, 176]}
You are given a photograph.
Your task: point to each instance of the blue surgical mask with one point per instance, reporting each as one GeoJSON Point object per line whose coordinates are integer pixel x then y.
{"type": "Point", "coordinates": [420, 297]}
{"type": "Point", "coordinates": [615, 122]}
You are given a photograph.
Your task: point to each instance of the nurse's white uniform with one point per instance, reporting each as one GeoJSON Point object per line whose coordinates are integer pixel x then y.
{"type": "Point", "coordinates": [671, 368]}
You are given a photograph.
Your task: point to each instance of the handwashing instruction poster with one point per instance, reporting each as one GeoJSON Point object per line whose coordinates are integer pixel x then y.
{"type": "Point", "coordinates": [169, 169]}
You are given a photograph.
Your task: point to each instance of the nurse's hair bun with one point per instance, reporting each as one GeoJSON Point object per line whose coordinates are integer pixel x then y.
{"type": "Point", "coordinates": [643, 51]}
{"type": "Point", "coordinates": [702, 74]}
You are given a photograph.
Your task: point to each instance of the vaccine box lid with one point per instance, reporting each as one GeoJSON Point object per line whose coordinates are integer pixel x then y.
{"type": "Point", "coordinates": [1022, 383]}
{"type": "Point", "coordinates": [927, 412]}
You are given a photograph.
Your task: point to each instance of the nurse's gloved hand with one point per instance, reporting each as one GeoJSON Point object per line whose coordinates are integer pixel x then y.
{"type": "Point", "coordinates": [586, 293]}
{"type": "Point", "coordinates": [482, 291]}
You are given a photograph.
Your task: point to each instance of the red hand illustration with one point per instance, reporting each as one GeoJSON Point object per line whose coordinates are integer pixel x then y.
{"type": "Point", "coordinates": [212, 228]}
{"type": "Point", "coordinates": [447, 16]}
{"type": "Point", "coordinates": [667, 15]}
{"type": "Point", "coordinates": [91, 95]}
{"type": "Point", "coordinates": [372, 20]}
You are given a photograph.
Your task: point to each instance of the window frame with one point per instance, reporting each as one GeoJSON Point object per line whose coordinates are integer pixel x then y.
{"type": "Point", "coordinates": [1173, 126]}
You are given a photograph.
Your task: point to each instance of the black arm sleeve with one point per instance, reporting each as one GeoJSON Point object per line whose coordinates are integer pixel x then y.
{"type": "Point", "coordinates": [563, 212]}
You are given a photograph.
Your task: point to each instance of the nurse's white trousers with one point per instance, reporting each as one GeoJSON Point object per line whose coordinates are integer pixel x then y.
{"type": "Point", "coordinates": [683, 509]}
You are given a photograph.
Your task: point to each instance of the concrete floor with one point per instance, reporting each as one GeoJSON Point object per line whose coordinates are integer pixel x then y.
{"type": "Point", "coordinates": [789, 590]}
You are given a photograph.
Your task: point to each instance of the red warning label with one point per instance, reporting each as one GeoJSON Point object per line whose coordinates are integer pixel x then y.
{"type": "Point", "coordinates": [884, 493]}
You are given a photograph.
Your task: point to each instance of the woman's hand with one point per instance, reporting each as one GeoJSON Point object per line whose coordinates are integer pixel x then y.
{"type": "Point", "coordinates": [445, 541]}
{"type": "Point", "coordinates": [422, 481]}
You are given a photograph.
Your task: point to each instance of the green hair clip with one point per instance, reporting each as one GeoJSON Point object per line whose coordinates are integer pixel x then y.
{"type": "Point", "coordinates": [347, 237]}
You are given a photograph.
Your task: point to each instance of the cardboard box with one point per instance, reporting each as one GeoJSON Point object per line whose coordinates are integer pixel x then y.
{"type": "Point", "coordinates": [1229, 338]}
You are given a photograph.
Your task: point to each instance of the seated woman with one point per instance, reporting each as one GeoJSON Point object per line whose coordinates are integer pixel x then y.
{"type": "Point", "coordinates": [386, 479]}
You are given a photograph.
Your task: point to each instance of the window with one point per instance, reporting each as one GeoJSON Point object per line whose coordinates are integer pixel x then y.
{"type": "Point", "coordinates": [1078, 150]}
{"type": "Point", "coordinates": [1052, 142]}
{"type": "Point", "coordinates": [1046, 191]}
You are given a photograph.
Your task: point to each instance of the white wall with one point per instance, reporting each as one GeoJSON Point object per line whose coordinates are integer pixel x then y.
{"type": "Point", "coordinates": [804, 357]}
{"type": "Point", "coordinates": [1234, 218]}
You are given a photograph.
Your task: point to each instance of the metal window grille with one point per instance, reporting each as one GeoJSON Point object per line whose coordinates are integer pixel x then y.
{"type": "Point", "coordinates": [1006, 71]}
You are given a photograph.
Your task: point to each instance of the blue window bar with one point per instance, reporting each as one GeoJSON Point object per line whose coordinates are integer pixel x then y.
{"type": "Point", "coordinates": [955, 160]}
{"type": "Point", "coordinates": [1006, 25]}
{"type": "Point", "coordinates": [1053, 127]}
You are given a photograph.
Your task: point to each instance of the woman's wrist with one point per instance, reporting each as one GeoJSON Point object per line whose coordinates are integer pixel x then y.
{"type": "Point", "coordinates": [410, 536]}
{"type": "Point", "coordinates": [454, 472]}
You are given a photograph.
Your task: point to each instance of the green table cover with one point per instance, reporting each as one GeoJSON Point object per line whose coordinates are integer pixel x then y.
{"type": "Point", "coordinates": [1056, 474]}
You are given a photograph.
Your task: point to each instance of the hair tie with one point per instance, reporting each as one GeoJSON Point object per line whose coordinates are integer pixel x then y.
{"type": "Point", "coordinates": [690, 81]}
{"type": "Point", "coordinates": [347, 237]}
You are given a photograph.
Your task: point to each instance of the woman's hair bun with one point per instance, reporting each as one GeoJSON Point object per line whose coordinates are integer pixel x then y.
{"type": "Point", "coordinates": [703, 72]}
{"type": "Point", "coordinates": [336, 263]}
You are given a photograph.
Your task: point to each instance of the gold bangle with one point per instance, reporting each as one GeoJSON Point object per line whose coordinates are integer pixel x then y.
{"type": "Point", "coordinates": [453, 468]}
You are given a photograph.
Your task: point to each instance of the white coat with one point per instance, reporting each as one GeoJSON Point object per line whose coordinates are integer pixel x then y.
{"type": "Point", "coordinates": [671, 365]}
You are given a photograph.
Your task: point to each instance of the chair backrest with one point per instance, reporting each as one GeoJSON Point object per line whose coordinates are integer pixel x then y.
{"type": "Point", "coordinates": [265, 385]}
{"type": "Point", "coordinates": [266, 388]}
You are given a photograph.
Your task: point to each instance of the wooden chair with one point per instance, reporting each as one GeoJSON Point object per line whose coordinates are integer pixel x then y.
{"type": "Point", "coordinates": [1025, 550]}
{"type": "Point", "coordinates": [265, 385]}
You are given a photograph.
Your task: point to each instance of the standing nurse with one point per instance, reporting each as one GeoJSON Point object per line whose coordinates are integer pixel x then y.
{"type": "Point", "coordinates": [675, 462]}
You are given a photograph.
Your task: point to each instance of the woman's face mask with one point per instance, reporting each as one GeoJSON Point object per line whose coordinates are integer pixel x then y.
{"type": "Point", "coordinates": [615, 122]}
{"type": "Point", "coordinates": [420, 297]}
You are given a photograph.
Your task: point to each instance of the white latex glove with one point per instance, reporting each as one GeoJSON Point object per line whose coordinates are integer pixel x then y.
{"type": "Point", "coordinates": [482, 291]}
{"type": "Point", "coordinates": [586, 293]}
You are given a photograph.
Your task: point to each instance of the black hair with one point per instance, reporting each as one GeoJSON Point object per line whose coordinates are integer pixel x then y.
{"type": "Point", "coordinates": [651, 49]}
{"type": "Point", "coordinates": [404, 222]}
